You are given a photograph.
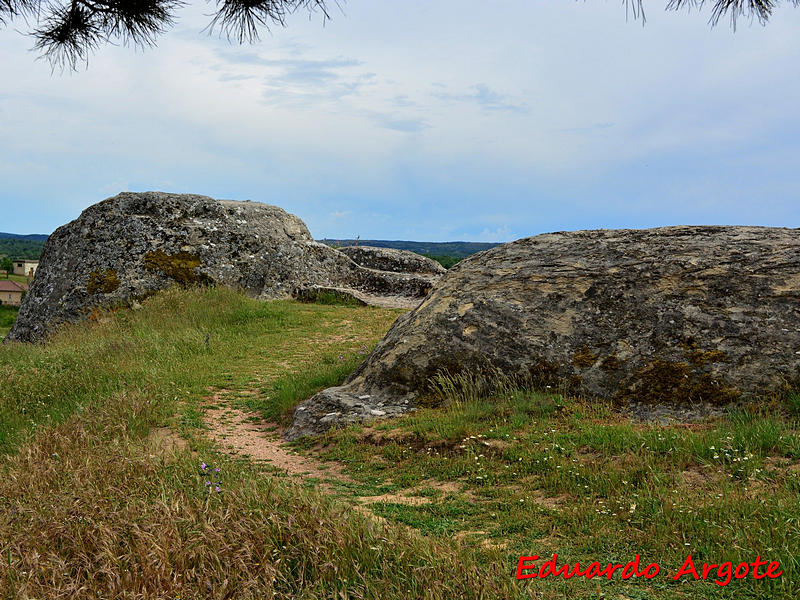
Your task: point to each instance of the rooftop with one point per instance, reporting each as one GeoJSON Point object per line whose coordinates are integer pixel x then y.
{"type": "Point", "coordinates": [6, 285]}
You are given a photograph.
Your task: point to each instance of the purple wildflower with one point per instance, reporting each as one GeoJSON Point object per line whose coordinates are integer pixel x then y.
{"type": "Point", "coordinates": [208, 483]}
{"type": "Point", "coordinates": [203, 466]}
{"type": "Point", "coordinates": [218, 489]}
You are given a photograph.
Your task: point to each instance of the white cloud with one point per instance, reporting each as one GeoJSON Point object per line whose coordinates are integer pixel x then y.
{"type": "Point", "coordinates": [406, 117]}
{"type": "Point", "coordinates": [501, 234]}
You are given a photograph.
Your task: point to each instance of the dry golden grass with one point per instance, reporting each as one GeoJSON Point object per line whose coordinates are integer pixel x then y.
{"type": "Point", "coordinates": [89, 508]}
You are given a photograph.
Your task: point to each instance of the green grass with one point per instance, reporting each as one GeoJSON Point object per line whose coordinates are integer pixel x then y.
{"type": "Point", "coordinates": [175, 348]}
{"type": "Point", "coordinates": [93, 508]}
{"type": "Point", "coordinates": [539, 474]}
{"type": "Point", "coordinates": [281, 396]}
{"type": "Point", "coordinates": [8, 314]}
{"type": "Point", "coordinates": [793, 403]}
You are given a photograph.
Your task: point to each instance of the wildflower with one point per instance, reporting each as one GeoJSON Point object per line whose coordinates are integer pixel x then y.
{"type": "Point", "coordinates": [216, 470]}
{"type": "Point", "coordinates": [203, 466]}
{"type": "Point", "coordinates": [208, 483]}
{"type": "Point", "coordinates": [218, 489]}
{"type": "Point", "coordinates": [341, 357]}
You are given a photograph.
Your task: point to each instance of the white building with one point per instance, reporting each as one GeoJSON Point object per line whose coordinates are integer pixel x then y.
{"type": "Point", "coordinates": [25, 267]}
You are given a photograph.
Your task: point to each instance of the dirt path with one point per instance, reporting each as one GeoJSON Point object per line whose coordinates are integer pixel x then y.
{"type": "Point", "coordinates": [240, 434]}
{"type": "Point", "coordinates": [244, 435]}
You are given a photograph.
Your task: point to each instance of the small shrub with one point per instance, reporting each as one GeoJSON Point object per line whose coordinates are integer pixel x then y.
{"type": "Point", "coordinates": [8, 314]}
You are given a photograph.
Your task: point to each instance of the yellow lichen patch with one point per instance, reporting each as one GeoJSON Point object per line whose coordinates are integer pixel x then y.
{"type": "Point", "coordinates": [180, 266]}
{"type": "Point", "coordinates": [469, 330]}
{"type": "Point", "coordinates": [103, 282]}
{"type": "Point", "coordinates": [561, 322]}
{"type": "Point", "coordinates": [462, 310]}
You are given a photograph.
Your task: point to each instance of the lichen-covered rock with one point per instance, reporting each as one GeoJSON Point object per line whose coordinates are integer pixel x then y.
{"type": "Point", "coordinates": [390, 259]}
{"type": "Point", "coordinates": [675, 315]}
{"type": "Point", "coordinates": [127, 247]}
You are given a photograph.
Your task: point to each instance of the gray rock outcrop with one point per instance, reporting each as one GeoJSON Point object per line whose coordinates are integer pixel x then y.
{"type": "Point", "coordinates": [390, 259]}
{"type": "Point", "coordinates": [675, 315]}
{"type": "Point", "coordinates": [127, 247]}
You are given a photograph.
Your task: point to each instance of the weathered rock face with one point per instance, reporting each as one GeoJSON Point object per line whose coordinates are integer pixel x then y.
{"type": "Point", "coordinates": [672, 315]}
{"type": "Point", "coordinates": [129, 246]}
{"type": "Point", "coordinates": [389, 259]}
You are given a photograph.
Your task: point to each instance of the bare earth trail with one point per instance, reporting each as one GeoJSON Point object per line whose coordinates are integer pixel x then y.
{"type": "Point", "coordinates": [245, 434]}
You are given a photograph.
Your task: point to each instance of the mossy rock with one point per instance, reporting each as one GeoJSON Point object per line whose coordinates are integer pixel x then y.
{"type": "Point", "coordinates": [700, 358]}
{"type": "Point", "coordinates": [103, 282]}
{"type": "Point", "coordinates": [666, 382]}
{"type": "Point", "coordinates": [611, 363]}
{"type": "Point", "coordinates": [179, 267]}
{"type": "Point", "coordinates": [584, 357]}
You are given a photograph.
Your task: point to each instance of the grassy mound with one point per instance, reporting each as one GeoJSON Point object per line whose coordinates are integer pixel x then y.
{"type": "Point", "coordinates": [95, 504]}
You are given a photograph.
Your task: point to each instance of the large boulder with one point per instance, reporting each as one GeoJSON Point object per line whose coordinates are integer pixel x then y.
{"type": "Point", "coordinates": [127, 247]}
{"type": "Point", "coordinates": [391, 259]}
{"type": "Point", "coordinates": [677, 315]}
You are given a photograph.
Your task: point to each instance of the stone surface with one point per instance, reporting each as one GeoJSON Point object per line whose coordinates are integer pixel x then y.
{"type": "Point", "coordinates": [389, 259]}
{"type": "Point", "coordinates": [127, 247]}
{"type": "Point", "coordinates": [318, 293]}
{"type": "Point", "coordinates": [676, 315]}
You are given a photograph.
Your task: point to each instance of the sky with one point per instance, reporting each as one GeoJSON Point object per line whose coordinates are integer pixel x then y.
{"type": "Point", "coordinates": [420, 120]}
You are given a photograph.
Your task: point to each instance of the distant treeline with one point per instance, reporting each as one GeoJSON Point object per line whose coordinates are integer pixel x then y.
{"type": "Point", "coordinates": [446, 253]}
{"type": "Point", "coordinates": [14, 245]}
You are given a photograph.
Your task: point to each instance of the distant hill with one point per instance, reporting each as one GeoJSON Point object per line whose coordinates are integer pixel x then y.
{"type": "Point", "coordinates": [15, 245]}
{"type": "Point", "coordinates": [453, 249]}
{"type": "Point", "coordinates": [39, 237]}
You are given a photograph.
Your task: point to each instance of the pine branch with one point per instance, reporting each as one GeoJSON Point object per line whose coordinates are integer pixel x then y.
{"type": "Point", "coordinates": [242, 19]}
{"type": "Point", "coordinates": [68, 31]}
{"type": "Point", "coordinates": [760, 10]}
